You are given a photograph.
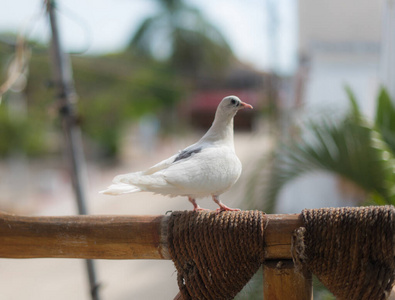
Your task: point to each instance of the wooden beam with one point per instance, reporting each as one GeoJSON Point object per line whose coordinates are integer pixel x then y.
{"type": "Point", "coordinates": [278, 235]}
{"type": "Point", "coordinates": [113, 237]}
{"type": "Point", "coordinates": [281, 281]}
{"type": "Point", "coordinates": [93, 237]}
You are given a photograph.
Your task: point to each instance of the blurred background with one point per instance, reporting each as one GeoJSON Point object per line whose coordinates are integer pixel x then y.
{"type": "Point", "coordinates": [148, 77]}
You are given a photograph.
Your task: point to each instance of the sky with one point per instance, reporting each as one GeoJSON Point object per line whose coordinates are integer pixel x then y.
{"type": "Point", "coordinates": [105, 26]}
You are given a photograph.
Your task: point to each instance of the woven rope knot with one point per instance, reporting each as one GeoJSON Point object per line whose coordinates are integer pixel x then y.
{"type": "Point", "coordinates": [351, 250]}
{"type": "Point", "coordinates": [215, 254]}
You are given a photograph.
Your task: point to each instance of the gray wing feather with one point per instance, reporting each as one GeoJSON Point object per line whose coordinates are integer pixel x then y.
{"type": "Point", "coordinates": [187, 153]}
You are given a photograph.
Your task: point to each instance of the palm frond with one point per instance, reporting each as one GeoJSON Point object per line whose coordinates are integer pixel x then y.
{"type": "Point", "coordinates": [141, 41]}
{"type": "Point", "coordinates": [385, 118]}
{"type": "Point", "coordinates": [355, 111]}
{"type": "Point", "coordinates": [256, 185]}
{"type": "Point", "coordinates": [349, 149]}
{"type": "Point", "coordinates": [181, 35]}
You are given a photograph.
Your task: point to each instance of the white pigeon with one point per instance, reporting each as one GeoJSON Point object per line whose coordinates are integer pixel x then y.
{"type": "Point", "coordinates": [207, 168]}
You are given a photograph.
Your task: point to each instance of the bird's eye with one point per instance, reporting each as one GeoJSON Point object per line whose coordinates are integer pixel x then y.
{"type": "Point", "coordinates": [234, 102]}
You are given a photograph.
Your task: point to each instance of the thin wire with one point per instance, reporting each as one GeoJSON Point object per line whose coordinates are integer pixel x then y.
{"type": "Point", "coordinates": [80, 21]}
{"type": "Point", "coordinates": [19, 63]}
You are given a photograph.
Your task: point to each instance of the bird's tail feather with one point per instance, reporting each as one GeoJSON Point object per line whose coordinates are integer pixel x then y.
{"type": "Point", "coordinates": [135, 182]}
{"type": "Point", "coordinates": [127, 178]}
{"type": "Point", "coordinates": [120, 188]}
{"type": "Point", "coordinates": [140, 181]}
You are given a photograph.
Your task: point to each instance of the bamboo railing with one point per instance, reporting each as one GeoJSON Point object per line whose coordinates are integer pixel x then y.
{"type": "Point", "coordinates": [141, 237]}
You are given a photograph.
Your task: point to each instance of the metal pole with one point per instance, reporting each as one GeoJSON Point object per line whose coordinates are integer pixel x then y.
{"type": "Point", "coordinates": [64, 85]}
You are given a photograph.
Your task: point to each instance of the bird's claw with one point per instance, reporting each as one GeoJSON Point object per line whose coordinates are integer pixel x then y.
{"type": "Point", "coordinates": [200, 209]}
{"type": "Point", "coordinates": [226, 208]}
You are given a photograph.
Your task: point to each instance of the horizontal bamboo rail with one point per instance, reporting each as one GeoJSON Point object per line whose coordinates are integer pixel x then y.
{"type": "Point", "coordinates": [113, 237]}
{"type": "Point", "coordinates": [141, 237]}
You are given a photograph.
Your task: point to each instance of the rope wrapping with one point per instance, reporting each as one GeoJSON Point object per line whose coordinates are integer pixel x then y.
{"type": "Point", "coordinates": [350, 250]}
{"type": "Point", "coordinates": [215, 254]}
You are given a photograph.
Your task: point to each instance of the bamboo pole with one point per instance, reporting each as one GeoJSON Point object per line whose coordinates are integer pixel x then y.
{"type": "Point", "coordinates": [140, 237]}
{"type": "Point", "coordinates": [63, 82]}
{"type": "Point", "coordinates": [113, 237]}
{"type": "Point", "coordinates": [278, 234]}
{"type": "Point", "coordinates": [281, 281]}
{"type": "Point", "coordinates": [89, 237]}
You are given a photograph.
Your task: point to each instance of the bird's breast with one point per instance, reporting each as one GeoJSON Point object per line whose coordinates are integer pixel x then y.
{"type": "Point", "coordinates": [211, 171]}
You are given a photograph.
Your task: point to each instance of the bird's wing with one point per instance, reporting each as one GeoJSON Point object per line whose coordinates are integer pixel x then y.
{"type": "Point", "coordinates": [160, 166]}
{"type": "Point", "coordinates": [209, 169]}
{"type": "Point", "coordinates": [164, 164]}
{"type": "Point", "coordinates": [132, 178]}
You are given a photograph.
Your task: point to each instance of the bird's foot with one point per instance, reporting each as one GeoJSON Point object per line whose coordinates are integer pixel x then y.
{"type": "Point", "coordinates": [196, 207]}
{"type": "Point", "coordinates": [200, 209]}
{"type": "Point", "coordinates": [223, 207]}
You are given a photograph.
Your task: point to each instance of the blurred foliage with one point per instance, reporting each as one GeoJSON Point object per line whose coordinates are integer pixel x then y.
{"type": "Point", "coordinates": [181, 35]}
{"type": "Point", "coordinates": [115, 89]}
{"type": "Point", "coordinates": [349, 149]}
{"type": "Point", "coordinates": [19, 134]}
{"type": "Point", "coordinates": [112, 89]}
{"type": "Point", "coordinates": [320, 292]}
{"type": "Point", "coordinates": [25, 132]}
{"type": "Point", "coordinates": [253, 290]}
{"type": "Point", "coordinates": [353, 148]}
{"type": "Point", "coordinates": [385, 121]}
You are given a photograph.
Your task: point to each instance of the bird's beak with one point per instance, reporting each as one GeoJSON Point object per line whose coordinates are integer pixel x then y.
{"type": "Point", "coordinates": [245, 105]}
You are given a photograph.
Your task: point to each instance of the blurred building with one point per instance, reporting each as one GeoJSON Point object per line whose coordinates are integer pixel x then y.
{"type": "Point", "coordinates": [339, 43]}
{"type": "Point", "coordinates": [336, 28]}
{"type": "Point", "coordinates": [387, 60]}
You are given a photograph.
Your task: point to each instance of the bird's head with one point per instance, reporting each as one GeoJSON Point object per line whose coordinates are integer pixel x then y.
{"type": "Point", "coordinates": [232, 104]}
{"type": "Point", "coordinates": [222, 128]}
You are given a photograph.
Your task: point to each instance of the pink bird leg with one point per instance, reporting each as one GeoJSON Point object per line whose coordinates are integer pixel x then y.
{"type": "Point", "coordinates": [223, 207]}
{"type": "Point", "coordinates": [196, 207]}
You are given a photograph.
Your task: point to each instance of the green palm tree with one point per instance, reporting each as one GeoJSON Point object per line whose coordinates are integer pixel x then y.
{"type": "Point", "coordinates": [354, 149]}
{"type": "Point", "coordinates": [179, 33]}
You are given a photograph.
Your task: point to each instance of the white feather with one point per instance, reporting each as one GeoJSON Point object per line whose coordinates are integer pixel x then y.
{"type": "Point", "coordinates": [120, 188]}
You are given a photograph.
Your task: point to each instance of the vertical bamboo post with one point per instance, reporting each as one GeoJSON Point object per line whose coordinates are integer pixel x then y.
{"type": "Point", "coordinates": [63, 81]}
{"type": "Point", "coordinates": [282, 281]}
